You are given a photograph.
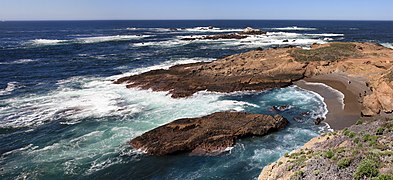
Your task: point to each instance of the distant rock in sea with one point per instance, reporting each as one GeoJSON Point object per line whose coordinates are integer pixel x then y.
{"type": "Point", "coordinates": [242, 35]}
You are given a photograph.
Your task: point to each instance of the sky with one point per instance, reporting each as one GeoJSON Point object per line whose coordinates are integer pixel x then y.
{"type": "Point", "coordinates": [196, 9]}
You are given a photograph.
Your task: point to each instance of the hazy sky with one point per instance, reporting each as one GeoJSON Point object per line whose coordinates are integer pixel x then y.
{"type": "Point", "coordinates": [196, 9]}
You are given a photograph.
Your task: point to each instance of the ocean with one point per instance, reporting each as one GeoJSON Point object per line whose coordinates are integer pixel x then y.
{"type": "Point", "coordinates": [61, 116]}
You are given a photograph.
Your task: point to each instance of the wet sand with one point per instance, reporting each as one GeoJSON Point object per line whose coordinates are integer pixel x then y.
{"type": "Point", "coordinates": [341, 93]}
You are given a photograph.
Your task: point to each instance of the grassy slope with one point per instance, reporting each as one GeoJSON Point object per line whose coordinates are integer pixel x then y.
{"type": "Point", "coordinates": [335, 51]}
{"type": "Point", "coordinates": [363, 151]}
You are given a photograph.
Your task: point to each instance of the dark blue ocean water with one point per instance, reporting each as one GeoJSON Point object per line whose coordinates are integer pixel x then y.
{"type": "Point", "coordinates": [61, 116]}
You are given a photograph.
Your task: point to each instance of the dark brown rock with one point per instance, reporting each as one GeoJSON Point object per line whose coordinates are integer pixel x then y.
{"type": "Point", "coordinates": [210, 134]}
{"type": "Point", "coordinates": [318, 120]}
{"type": "Point", "coordinates": [242, 35]}
{"type": "Point", "coordinates": [233, 73]}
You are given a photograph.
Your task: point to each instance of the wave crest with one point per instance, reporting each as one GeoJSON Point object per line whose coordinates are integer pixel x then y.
{"type": "Point", "coordinates": [387, 45]}
{"type": "Point", "coordinates": [85, 40]}
{"type": "Point", "coordinates": [295, 28]}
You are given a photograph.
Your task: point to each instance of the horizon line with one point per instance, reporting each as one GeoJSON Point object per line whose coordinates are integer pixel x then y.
{"type": "Point", "coordinates": [11, 20]}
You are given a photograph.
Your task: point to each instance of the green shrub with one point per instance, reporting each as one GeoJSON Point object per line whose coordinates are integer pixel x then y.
{"type": "Point", "coordinates": [358, 122]}
{"type": "Point", "coordinates": [356, 140]}
{"type": "Point", "coordinates": [298, 175]}
{"type": "Point", "coordinates": [371, 139]}
{"type": "Point", "coordinates": [367, 168]}
{"type": "Point", "coordinates": [289, 168]}
{"type": "Point", "coordinates": [355, 152]}
{"type": "Point", "coordinates": [366, 137]}
{"type": "Point", "coordinates": [343, 163]}
{"type": "Point", "coordinates": [346, 131]}
{"type": "Point", "coordinates": [380, 131]}
{"type": "Point", "coordinates": [329, 154]}
{"type": "Point", "coordinates": [383, 177]}
{"type": "Point", "coordinates": [316, 172]}
{"type": "Point", "coordinates": [286, 155]}
{"type": "Point", "coordinates": [351, 134]}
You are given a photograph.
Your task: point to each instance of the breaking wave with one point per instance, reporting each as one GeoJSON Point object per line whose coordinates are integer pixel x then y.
{"type": "Point", "coordinates": [19, 61]}
{"type": "Point", "coordinates": [252, 41]}
{"type": "Point", "coordinates": [163, 65]}
{"type": "Point", "coordinates": [295, 28]}
{"type": "Point", "coordinates": [212, 29]}
{"type": "Point", "coordinates": [340, 95]}
{"type": "Point", "coordinates": [11, 86]}
{"type": "Point", "coordinates": [187, 30]}
{"type": "Point", "coordinates": [388, 45]}
{"type": "Point", "coordinates": [86, 40]}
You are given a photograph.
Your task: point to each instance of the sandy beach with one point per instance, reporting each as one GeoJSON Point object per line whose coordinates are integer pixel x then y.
{"type": "Point", "coordinates": [341, 93]}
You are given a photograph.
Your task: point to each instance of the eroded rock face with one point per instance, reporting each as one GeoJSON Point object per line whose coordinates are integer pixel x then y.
{"type": "Point", "coordinates": [380, 100]}
{"type": "Point", "coordinates": [206, 135]}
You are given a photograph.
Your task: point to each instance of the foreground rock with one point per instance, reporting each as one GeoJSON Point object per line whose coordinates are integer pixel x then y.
{"type": "Point", "coordinates": [206, 135]}
{"type": "Point", "coordinates": [363, 151]}
{"type": "Point", "coordinates": [274, 68]}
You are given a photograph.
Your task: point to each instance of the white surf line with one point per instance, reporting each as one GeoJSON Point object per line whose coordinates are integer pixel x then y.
{"type": "Point", "coordinates": [339, 94]}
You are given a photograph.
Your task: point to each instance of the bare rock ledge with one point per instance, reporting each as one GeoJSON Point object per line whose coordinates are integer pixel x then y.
{"type": "Point", "coordinates": [210, 134]}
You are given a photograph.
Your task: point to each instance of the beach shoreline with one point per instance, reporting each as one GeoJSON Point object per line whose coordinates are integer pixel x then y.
{"type": "Point", "coordinates": [342, 95]}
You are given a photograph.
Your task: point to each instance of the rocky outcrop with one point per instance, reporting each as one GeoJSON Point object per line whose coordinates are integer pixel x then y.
{"type": "Point", "coordinates": [265, 69]}
{"type": "Point", "coordinates": [252, 31]}
{"type": "Point", "coordinates": [206, 135]}
{"type": "Point", "coordinates": [242, 35]}
{"type": "Point", "coordinates": [380, 100]}
{"type": "Point", "coordinates": [255, 70]}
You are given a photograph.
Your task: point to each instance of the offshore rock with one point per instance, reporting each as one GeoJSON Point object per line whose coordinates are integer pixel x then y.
{"type": "Point", "coordinates": [252, 31]}
{"type": "Point", "coordinates": [210, 134]}
{"type": "Point", "coordinates": [242, 35]}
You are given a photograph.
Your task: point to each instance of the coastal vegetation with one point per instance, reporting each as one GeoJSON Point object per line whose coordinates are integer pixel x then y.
{"type": "Point", "coordinates": [333, 52]}
{"type": "Point", "coordinates": [362, 151]}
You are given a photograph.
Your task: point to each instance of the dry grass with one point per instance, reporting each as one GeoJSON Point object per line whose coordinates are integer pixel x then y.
{"type": "Point", "coordinates": [336, 51]}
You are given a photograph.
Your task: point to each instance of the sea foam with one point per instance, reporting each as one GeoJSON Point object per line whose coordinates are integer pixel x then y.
{"type": "Point", "coordinates": [388, 45]}
{"type": "Point", "coordinates": [19, 61]}
{"type": "Point", "coordinates": [339, 94]}
{"type": "Point", "coordinates": [11, 86]}
{"type": "Point", "coordinates": [295, 28]}
{"type": "Point", "coordinates": [85, 40]}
